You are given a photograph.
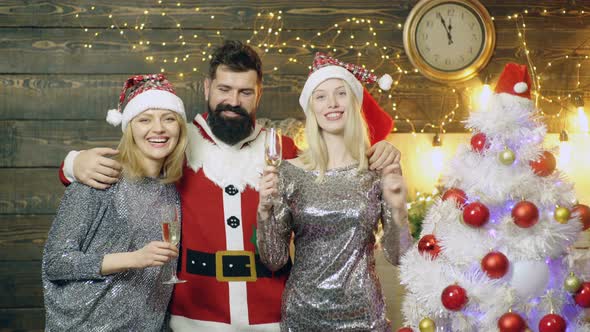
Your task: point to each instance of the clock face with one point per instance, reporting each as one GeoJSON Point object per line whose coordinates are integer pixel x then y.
{"type": "Point", "coordinates": [450, 37]}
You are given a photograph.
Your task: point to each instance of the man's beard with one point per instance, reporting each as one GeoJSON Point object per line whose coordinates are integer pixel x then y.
{"type": "Point", "coordinates": [230, 130]}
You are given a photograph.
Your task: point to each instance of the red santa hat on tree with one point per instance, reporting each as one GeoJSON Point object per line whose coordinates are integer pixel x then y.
{"type": "Point", "coordinates": [514, 80]}
{"type": "Point", "coordinates": [141, 93]}
{"type": "Point", "coordinates": [325, 67]}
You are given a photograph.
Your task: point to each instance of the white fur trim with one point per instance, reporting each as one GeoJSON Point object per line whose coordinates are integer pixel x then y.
{"type": "Point", "coordinates": [324, 73]}
{"type": "Point", "coordinates": [114, 117]}
{"type": "Point", "coordinates": [224, 164]}
{"type": "Point", "coordinates": [385, 82]}
{"type": "Point", "coordinates": [69, 165]}
{"type": "Point", "coordinates": [510, 99]}
{"type": "Point", "coordinates": [520, 87]}
{"type": "Point", "coordinates": [152, 99]}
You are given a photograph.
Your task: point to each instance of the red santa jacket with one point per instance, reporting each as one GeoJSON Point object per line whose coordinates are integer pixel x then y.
{"type": "Point", "coordinates": [228, 289]}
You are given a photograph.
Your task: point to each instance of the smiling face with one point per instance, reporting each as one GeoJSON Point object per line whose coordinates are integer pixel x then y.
{"type": "Point", "coordinates": [156, 134]}
{"type": "Point", "coordinates": [330, 103]}
{"type": "Point", "coordinates": [232, 99]}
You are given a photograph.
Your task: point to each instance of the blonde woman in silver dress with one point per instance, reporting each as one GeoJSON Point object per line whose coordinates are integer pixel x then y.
{"type": "Point", "coordinates": [332, 203]}
{"type": "Point", "coordinates": [105, 266]}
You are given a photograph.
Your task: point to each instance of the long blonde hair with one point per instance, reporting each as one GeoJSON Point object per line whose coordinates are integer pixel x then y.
{"type": "Point", "coordinates": [130, 156]}
{"type": "Point", "coordinates": [356, 137]}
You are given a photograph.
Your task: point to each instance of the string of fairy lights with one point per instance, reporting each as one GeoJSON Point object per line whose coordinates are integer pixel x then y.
{"type": "Point", "coordinates": [181, 51]}
{"type": "Point", "coordinates": [574, 97]}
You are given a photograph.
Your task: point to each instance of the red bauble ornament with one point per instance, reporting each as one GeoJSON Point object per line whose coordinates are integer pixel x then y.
{"type": "Point", "coordinates": [545, 165]}
{"type": "Point", "coordinates": [454, 297]}
{"type": "Point", "coordinates": [525, 214]}
{"type": "Point", "coordinates": [457, 194]}
{"type": "Point", "coordinates": [428, 244]}
{"type": "Point", "coordinates": [479, 142]}
{"type": "Point", "coordinates": [552, 323]}
{"type": "Point", "coordinates": [405, 329]}
{"type": "Point", "coordinates": [582, 296]}
{"type": "Point", "coordinates": [476, 214]}
{"type": "Point", "coordinates": [495, 264]}
{"type": "Point", "coordinates": [583, 213]}
{"type": "Point", "coordinates": [511, 322]}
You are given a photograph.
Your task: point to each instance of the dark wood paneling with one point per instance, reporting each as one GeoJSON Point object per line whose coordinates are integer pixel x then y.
{"type": "Point", "coordinates": [29, 191]}
{"type": "Point", "coordinates": [300, 14]}
{"type": "Point", "coordinates": [62, 51]}
{"type": "Point", "coordinates": [37, 143]}
{"type": "Point", "coordinates": [75, 97]}
{"type": "Point", "coordinates": [20, 320]}
{"type": "Point", "coordinates": [21, 284]}
{"type": "Point", "coordinates": [229, 14]}
{"type": "Point", "coordinates": [22, 237]}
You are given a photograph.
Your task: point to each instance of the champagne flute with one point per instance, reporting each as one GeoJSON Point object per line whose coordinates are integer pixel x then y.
{"type": "Point", "coordinates": [171, 234]}
{"type": "Point", "coordinates": [273, 149]}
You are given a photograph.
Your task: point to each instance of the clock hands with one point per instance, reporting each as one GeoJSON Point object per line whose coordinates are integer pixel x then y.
{"type": "Point", "coordinates": [450, 27]}
{"type": "Point", "coordinates": [448, 30]}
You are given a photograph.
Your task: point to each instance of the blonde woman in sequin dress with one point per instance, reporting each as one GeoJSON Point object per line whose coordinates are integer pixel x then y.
{"type": "Point", "coordinates": [104, 262]}
{"type": "Point", "coordinates": [332, 204]}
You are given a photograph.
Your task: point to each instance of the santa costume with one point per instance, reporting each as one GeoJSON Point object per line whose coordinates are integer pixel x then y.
{"type": "Point", "coordinates": [228, 289]}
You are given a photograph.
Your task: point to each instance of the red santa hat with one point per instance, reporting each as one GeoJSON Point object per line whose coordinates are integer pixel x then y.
{"type": "Point", "coordinates": [325, 67]}
{"type": "Point", "coordinates": [141, 93]}
{"type": "Point", "coordinates": [515, 80]}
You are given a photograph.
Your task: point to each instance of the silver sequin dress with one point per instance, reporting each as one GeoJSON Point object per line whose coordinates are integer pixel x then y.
{"type": "Point", "coordinates": [89, 224]}
{"type": "Point", "coordinates": [333, 285]}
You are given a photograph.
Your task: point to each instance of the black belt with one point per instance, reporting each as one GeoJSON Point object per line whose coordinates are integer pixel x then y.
{"type": "Point", "coordinates": [232, 265]}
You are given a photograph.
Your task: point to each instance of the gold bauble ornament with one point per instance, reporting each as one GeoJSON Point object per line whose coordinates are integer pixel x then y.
{"type": "Point", "coordinates": [427, 325]}
{"type": "Point", "coordinates": [507, 157]}
{"type": "Point", "coordinates": [561, 215]}
{"type": "Point", "coordinates": [572, 283]}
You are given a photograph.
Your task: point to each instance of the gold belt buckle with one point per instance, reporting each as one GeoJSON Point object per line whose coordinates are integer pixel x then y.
{"type": "Point", "coordinates": [219, 265]}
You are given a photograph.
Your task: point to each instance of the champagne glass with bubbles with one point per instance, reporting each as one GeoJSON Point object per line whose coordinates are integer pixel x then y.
{"type": "Point", "coordinates": [273, 149]}
{"type": "Point", "coordinates": [171, 234]}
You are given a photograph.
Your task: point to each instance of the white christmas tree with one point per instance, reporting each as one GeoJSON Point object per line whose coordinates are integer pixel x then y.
{"type": "Point", "coordinates": [493, 249]}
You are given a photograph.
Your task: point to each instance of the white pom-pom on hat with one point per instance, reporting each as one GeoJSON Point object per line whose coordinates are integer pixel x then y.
{"type": "Point", "coordinates": [114, 117]}
{"type": "Point", "coordinates": [520, 87]}
{"type": "Point", "coordinates": [385, 82]}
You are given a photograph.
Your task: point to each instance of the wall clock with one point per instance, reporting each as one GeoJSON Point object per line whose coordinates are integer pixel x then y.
{"type": "Point", "coordinates": [449, 40]}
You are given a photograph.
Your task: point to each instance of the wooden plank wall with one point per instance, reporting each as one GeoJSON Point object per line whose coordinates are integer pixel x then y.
{"type": "Point", "coordinates": [55, 90]}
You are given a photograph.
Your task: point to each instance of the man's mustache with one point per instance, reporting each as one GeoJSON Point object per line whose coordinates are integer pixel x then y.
{"type": "Point", "coordinates": [236, 109]}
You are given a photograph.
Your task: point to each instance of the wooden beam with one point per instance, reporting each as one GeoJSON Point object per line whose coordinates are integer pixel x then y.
{"type": "Point", "coordinates": [20, 284]}
{"type": "Point", "coordinates": [22, 237]}
{"type": "Point", "coordinates": [22, 319]}
{"type": "Point", "coordinates": [29, 191]}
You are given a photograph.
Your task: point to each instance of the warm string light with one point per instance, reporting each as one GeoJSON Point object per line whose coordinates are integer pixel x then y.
{"type": "Point", "coordinates": [354, 34]}
{"type": "Point", "coordinates": [397, 115]}
{"type": "Point", "coordinates": [448, 118]}
{"type": "Point", "coordinates": [136, 35]}
{"type": "Point", "coordinates": [269, 36]}
{"type": "Point", "coordinates": [564, 101]}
